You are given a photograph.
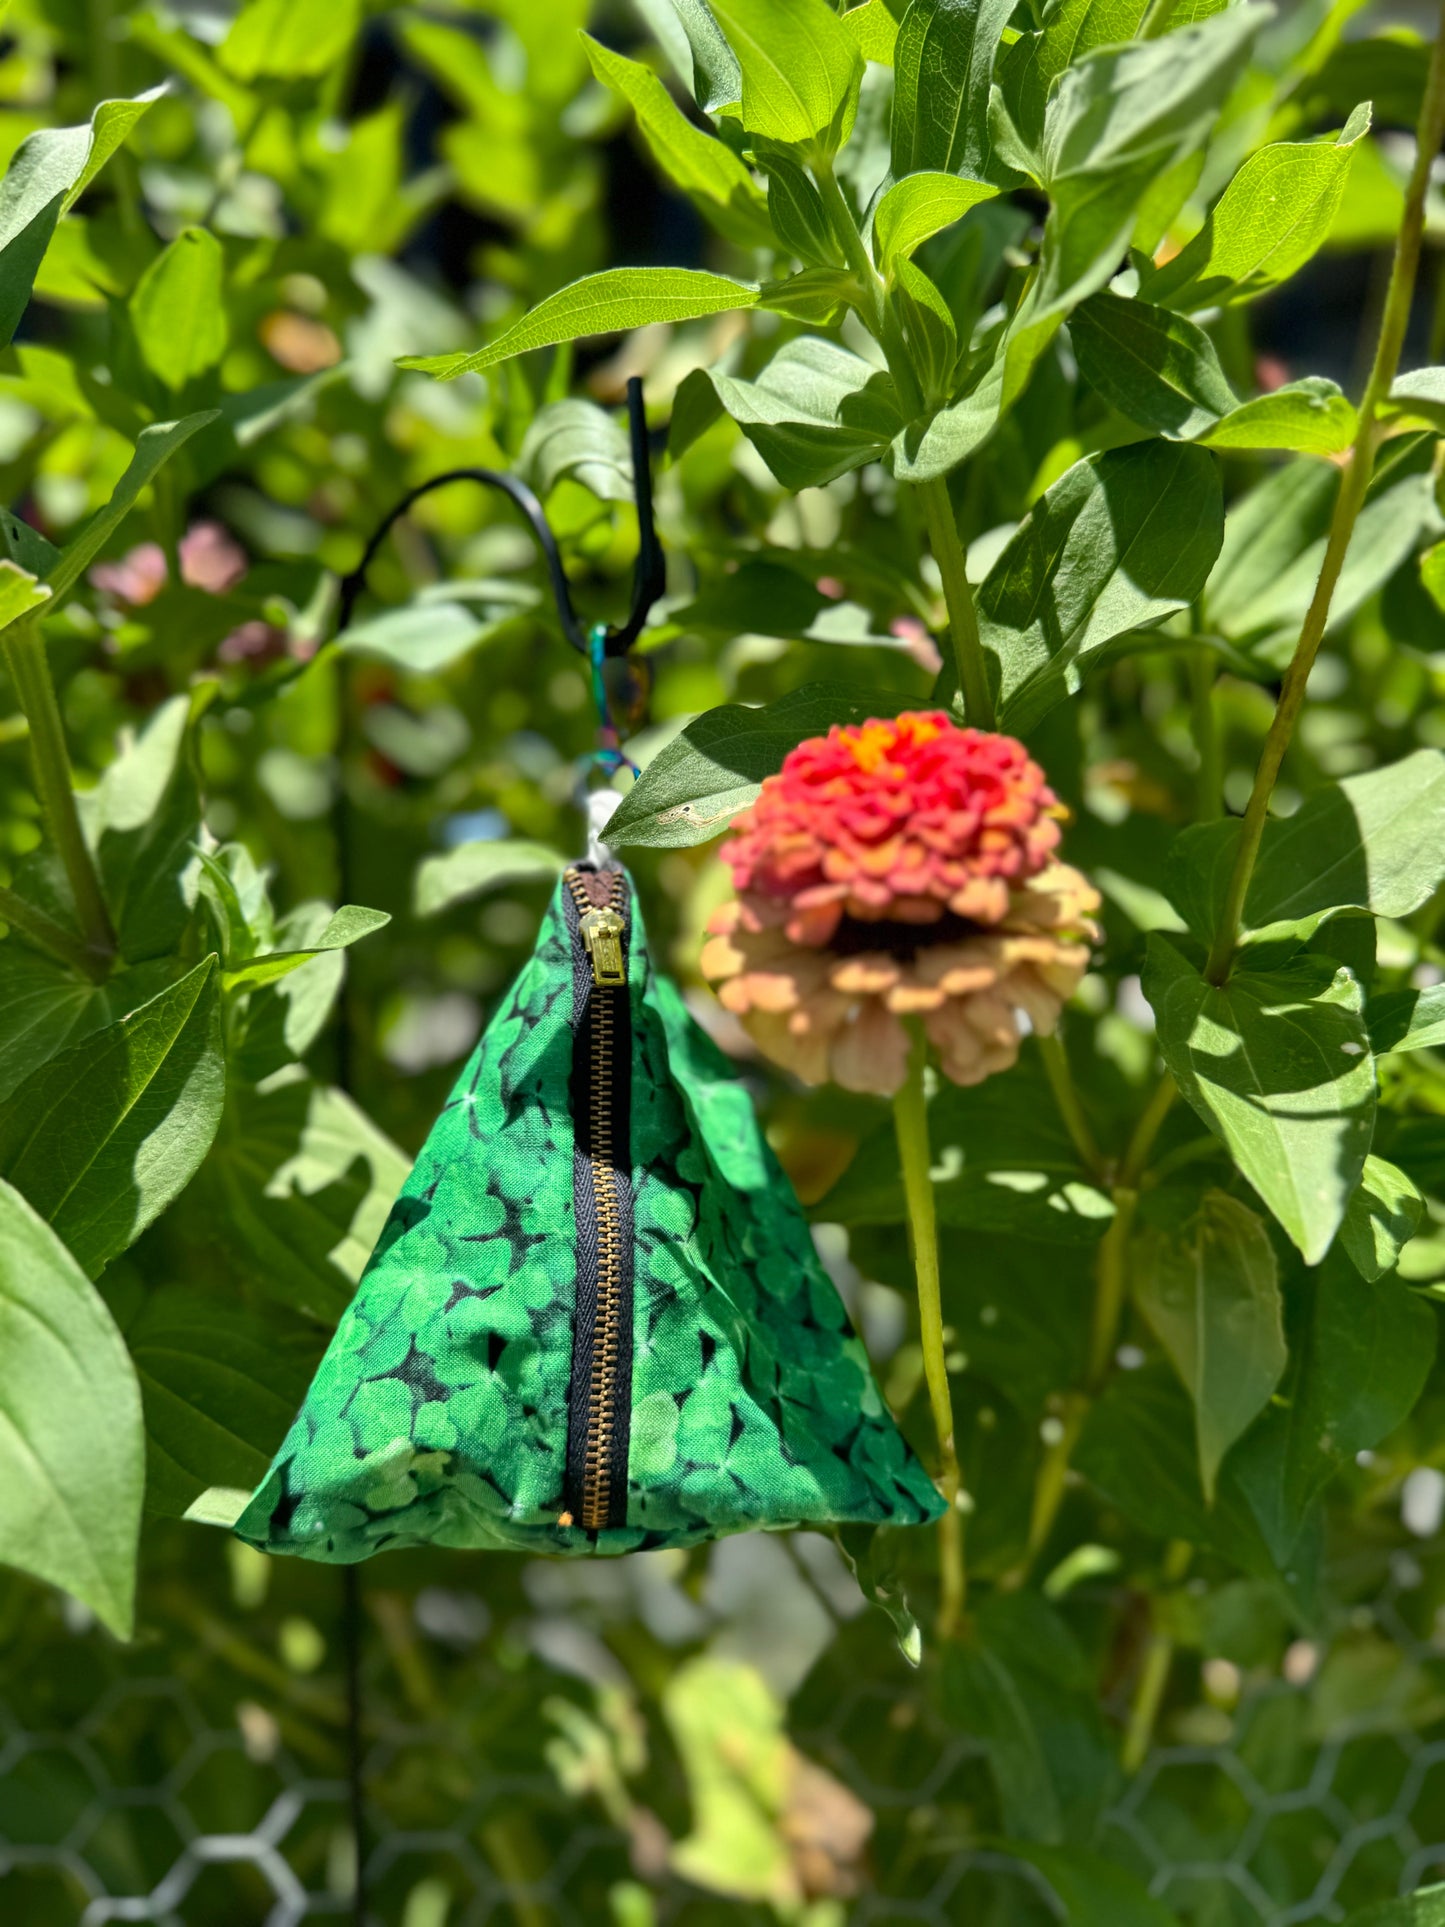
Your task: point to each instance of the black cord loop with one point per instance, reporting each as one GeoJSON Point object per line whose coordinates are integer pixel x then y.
{"type": "Point", "coordinates": [649, 577]}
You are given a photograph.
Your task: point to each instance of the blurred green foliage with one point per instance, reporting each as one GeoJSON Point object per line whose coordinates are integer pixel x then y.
{"type": "Point", "coordinates": [1079, 330]}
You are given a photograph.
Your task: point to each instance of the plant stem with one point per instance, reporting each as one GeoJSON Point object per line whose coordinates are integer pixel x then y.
{"type": "Point", "coordinates": [948, 553]}
{"type": "Point", "coordinates": [1154, 1674]}
{"type": "Point", "coordinates": [1353, 484]}
{"type": "Point", "coordinates": [1111, 1281]}
{"type": "Point", "coordinates": [30, 672]}
{"type": "Point", "coordinates": [1151, 1120]}
{"type": "Point", "coordinates": [910, 1122]}
{"type": "Point", "coordinates": [845, 230]}
{"type": "Point", "coordinates": [1209, 782]}
{"type": "Point", "coordinates": [1051, 1480]}
{"type": "Point", "coordinates": [49, 935]}
{"type": "Point", "coordinates": [1066, 1096]}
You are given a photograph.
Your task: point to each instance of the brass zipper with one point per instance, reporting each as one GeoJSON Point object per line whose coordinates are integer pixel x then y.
{"type": "Point", "coordinates": [601, 929]}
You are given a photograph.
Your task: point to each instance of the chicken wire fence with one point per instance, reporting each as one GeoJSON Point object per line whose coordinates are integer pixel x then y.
{"type": "Point", "coordinates": [200, 1775]}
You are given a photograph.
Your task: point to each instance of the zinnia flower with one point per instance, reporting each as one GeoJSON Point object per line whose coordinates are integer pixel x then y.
{"type": "Point", "coordinates": [896, 869]}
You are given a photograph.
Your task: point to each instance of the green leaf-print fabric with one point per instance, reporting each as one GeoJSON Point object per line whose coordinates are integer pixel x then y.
{"type": "Point", "coordinates": [440, 1411]}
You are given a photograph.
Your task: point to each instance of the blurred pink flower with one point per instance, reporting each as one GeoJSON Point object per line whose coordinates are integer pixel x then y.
{"type": "Point", "coordinates": [210, 559]}
{"type": "Point", "coordinates": [137, 578]}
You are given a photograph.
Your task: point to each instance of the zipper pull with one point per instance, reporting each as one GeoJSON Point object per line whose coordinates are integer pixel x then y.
{"type": "Point", "coordinates": [601, 932]}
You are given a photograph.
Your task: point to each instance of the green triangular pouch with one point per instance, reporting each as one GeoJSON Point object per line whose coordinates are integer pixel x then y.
{"type": "Point", "coordinates": [595, 1320]}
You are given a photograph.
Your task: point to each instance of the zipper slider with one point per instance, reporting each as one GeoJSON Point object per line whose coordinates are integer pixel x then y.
{"type": "Point", "coordinates": [601, 932]}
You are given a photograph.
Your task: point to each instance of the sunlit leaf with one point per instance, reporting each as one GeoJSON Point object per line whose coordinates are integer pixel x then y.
{"type": "Point", "coordinates": [1210, 1289]}
{"type": "Point", "coordinates": [104, 1136]}
{"type": "Point", "coordinates": [1268, 222]}
{"type": "Point", "coordinates": [1278, 1065]}
{"type": "Point", "coordinates": [599, 304]}
{"type": "Point", "coordinates": [72, 1467]}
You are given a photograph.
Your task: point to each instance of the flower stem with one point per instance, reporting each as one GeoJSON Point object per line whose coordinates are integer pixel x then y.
{"type": "Point", "coordinates": [910, 1122]}
{"type": "Point", "coordinates": [1353, 484]}
{"type": "Point", "coordinates": [948, 553]}
{"type": "Point", "coordinates": [1111, 1283]}
{"type": "Point", "coordinates": [1154, 1673]}
{"type": "Point", "coordinates": [1066, 1097]}
{"type": "Point", "coordinates": [30, 672]}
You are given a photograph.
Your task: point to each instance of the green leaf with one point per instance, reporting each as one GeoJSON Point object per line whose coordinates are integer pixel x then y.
{"type": "Point", "coordinates": [1155, 367]}
{"type": "Point", "coordinates": [943, 66]}
{"type": "Point", "coordinates": [244, 419]}
{"type": "Point", "coordinates": [50, 170]}
{"type": "Point", "coordinates": [142, 820]}
{"type": "Point", "coordinates": [347, 926]}
{"type": "Point", "coordinates": [283, 1019]}
{"type": "Point", "coordinates": [1069, 31]}
{"type": "Point", "coordinates": [797, 214]}
{"type": "Point", "coordinates": [1210, 1290]}
{"type": "Point", "coordinates": [178, 310]}
{"type": "Point", "coordinates": [1424, 1908]}
{"type": "Point", "coordinates": [717, 80]}
{"type": "Point", "coordinates": [1018, 1683]}
{"type": "Point", "coordinates": [800, 69]}
{"type": "Point", "coordinates": [1311, 416]}
{"type": "Point", "coordinates": [1117, 122]}
{"type": "Point", "coordinates": [303, 1181]}
{"type": "Point", "coordinates": [1417, 397]}
{"type": "Point", "coordinates": [1002, 1162]}
{"type": "Point", "coordinates": [1137, 1449]}
{"type": "Point", "coordinates": [27, 547]}
{"type": "Point", "coordinates": [815, 411]}
{"type": "Point", "coordinates": [1383, 1217]}
{"type": "Point", "coordinates": [1162, 371]}
{"type": "Point", "coordinates": [1374, 842]}
{"type": "Point", "coordinates": [575, 440]}
{"type": "Point", "coordinates": [291, 39]}
{"type": "Point", "coordinates": [866, 1552]}
{"type": "Point", "coordinates": [154, 446]}
{"type": "Point", "coordinates": [1019, 1312]}
{"type": "Point", "coordinates": [105, 1135]}
{"type": "Point", "coordinates": [705, 168]}
{"type": "Point", "coordinates": [20, 593]}
{"type": "Point", "coordinates": [1275, 214]}
{"type": "Point", "coordinates": [1278, 1065]}
{"type": "Point", "coordinates": [1274, 544]}
{"type": "Point", "coordinates": [1092, 1891]}
{"type": "Point", "coordinates": [444, 623]}
{"type": "Point", "coordinates": [1266, 531]}
{"type": "Point", "coordinates": [612, 302]}
{"type": "Point", "coordinates": [926, 325]}
{"type": "Point", "coordinates": [1403, 1020]}
{"type": "Point", "coordinates": [821, 297]}
{"type": "Point", "coordinates": [472, 868]}
{"type": "Point", "coordinates": [874, 29]}
{"type": "Point", "coordinates": [714, 767]}
{"type": "Point", "coordinates": [219, 1384]}
{"type": "Point", "coordinates": [72, 1466]}
{"type": "Point", "coordinates": [936, 443]}
{"type": "Point", "coordinates": [1118, 543]}
{"type": "Point", "coordinates": [918, 207]}
{"type": "Point", "coordinates": [1360, 1362]}
{"type": "Point", "coordinates": [45, 1007]}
